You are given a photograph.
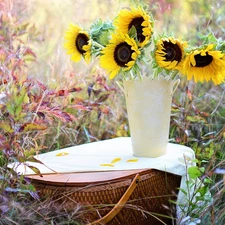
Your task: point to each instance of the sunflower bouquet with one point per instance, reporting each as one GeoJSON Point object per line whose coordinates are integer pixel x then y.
{"type": "Point", "coordinates": [127, 43]}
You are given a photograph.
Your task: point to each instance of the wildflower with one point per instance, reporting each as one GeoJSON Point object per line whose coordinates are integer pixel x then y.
{"type": "Point", "coordinates": [169, 53]}
{"type": "Point", "coordinates": [205, 64]}
{"type": "Point", "coordinates": [140, 20]}
{"type": "Point", "coordinates": [120, 54]}
{"type": "Point", "coordinates": [77, 43]}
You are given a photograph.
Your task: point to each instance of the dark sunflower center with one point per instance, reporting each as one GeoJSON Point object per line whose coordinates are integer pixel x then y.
{"type": "Point", "coordinates": [204, 60]}
{"type": "Point", "coordinates": [136, 22]}
{"type": "Point", "coordinates": [122, 54]}
{"type": "Point", "coordinates": [173, 51]}
{"type": "Point", "coordinates": [80, 41]}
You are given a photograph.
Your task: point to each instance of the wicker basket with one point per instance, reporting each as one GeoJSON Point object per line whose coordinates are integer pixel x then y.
{"type": "Point", "coordinates": [134, 197]}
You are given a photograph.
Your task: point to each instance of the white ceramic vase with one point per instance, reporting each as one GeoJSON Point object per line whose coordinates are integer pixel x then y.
{"type": "Point", "coordinates": [148, 108]}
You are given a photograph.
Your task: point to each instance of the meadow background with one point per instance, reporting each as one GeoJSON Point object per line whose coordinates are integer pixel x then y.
{"type": "Point", "coordinates": [48, 102]}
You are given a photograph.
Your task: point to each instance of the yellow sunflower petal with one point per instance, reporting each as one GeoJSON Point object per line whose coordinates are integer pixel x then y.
{"type": "Point", "coordinates": [140, 19]}
{"type": "Point", "coordinates": [110, 59]}
{"type": "Point", "coordinates": [107, 164]}
{"type": "Point", "coordinates": [71, 36]}
{"type": "Point", "coordinates": [75, 57]}
{"type": "Point", "coordinates": [192, 60]}
{"type": "Point", "coordinates": [132, 160]}
{"type": "Point", "coordinates": [205, 65]}
{"type": "Point", "coordinates": [166, 58]}
{"type": "Point", "coordinates": [62, 154]}
{"type": "Point", "coordinates": [116, 160]}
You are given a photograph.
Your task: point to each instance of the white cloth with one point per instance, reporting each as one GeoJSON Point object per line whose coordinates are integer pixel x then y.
{"type": "Point", "coordinates": [92, 156]}
{"type": "Point", "coordinates": [98, 156]}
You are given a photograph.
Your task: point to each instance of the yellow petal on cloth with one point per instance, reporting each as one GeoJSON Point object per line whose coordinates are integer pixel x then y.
{"type": "Point", "coordinates": [107, 164]}
{"type": "Point", "coordinates": [62, 154]}
{"type": "Point", "coordinates": [132, 160]}
{"type": "Point", "coordinates": [116, 160]}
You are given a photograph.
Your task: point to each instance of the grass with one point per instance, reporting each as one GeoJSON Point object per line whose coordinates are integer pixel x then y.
{"type": "Point", "coordinates": [48, 103]}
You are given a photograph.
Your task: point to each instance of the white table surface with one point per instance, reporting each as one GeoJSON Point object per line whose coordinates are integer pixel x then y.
{"type": "Point", "coordinates": [98, 156]}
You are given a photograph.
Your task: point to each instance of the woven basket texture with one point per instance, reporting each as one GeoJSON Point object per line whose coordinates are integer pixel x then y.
{"type": "Point", "coordinates": [150, 199]}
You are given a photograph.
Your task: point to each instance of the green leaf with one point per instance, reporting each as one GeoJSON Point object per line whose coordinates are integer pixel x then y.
{"type": "Point", "coordinates": [103, 38]}
{"type": "Point", "coordinates": [10, 107]}
{"type": "Point", "coordinates": [132, 32]}
{"type": "Point", "coordinates": [6, 127]}
{"type": "Point", "coordinates": [221, 46]}
{"type": "Point", "coordinates": [202, 169]}
{"type": "Point", "coordinates": [96, 26]}
{"type": "Point", "coordinates": [194, 172]}
{"type": "Point", "coordinates": [107, 26]}
{"type": "Point", "coordinates": [35, 169]}
{"type": "Point", "coordinates": [203, 190]}
{"type": "Point", "coordinates": [195, 161]}
{"type": "Point", "coordinates": [27, 127]}
{"type": "Point", "coordinates": [21, 97]}
{"type": "Point", "coordinates": [182, 190]}
{"type": "Point", "coordinates": [18, 110]}
{"type": "Point", "coordinates": [209, 38]}
{"type": "Point", "coordinates": [196, 119]}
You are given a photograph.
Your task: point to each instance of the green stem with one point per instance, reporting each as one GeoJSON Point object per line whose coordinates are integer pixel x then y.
{"type": "Point", "coordinates": [139, 75]}
{"type": "Point", "coordinates": [132, 75]}
{"type": "Point", "coordinates": [98, 45]}
{"type": "Point", "coordinates": [173, 74]}
{"type": "Point", "coordinates": [155, 74]}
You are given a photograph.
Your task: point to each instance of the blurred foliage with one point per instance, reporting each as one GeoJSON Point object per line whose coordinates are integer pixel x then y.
{"type": "Point", "coordinates": [36, 118]}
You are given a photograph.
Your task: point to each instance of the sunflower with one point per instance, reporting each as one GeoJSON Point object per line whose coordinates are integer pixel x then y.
{"type": "Point", "coordinates": [77, 43]}
{"type": "Point", "coordinates": [169, 53]}
{"type": "Point", "coordinates": [205, 64]}
{"type": "Point", "coordinates": [138, 18]}
{"type": "Point", "coordinates": [120, 54]}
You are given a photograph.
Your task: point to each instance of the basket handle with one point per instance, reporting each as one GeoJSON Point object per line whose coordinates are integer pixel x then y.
{"type": "Point", "coordinates": [111, 214]}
